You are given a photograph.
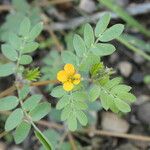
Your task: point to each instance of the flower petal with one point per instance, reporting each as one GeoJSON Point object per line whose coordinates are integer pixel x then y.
{"type": "Point", "coordinates": [68, 86]}
{"type": "Point", "coordinates": [70, 70]}
{"type": "Point", "coordinates": [77, 79]}
{"type": "Point", "coordinates": [62, 76]}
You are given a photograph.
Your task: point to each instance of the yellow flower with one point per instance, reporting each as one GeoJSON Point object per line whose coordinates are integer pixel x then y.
{"type": "Point", "coordinates": [68, 77]}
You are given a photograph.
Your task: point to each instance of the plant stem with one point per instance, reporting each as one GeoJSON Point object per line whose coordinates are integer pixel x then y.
{"type": "Point", "coordinates": [71, 139]}
{"type": "Point", "coordinates": [8, 91]}
{"type": "Point", "coordinates": [131, 47]}
{"type": "Point", "coordinates": [39, 83]}
{"type": "Point", "coordinates": [3, 134]}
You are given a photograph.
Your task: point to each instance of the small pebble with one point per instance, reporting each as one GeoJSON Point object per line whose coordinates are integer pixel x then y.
{"type": "Point", "coordinates": [87, 5]}
{"type": "Point", "coordinates": [142, 99]}
{"type": "Point", "coordinates": [143, 113]}
{"type": "Point", "coordinates": [125, 68]}
{"type": "Point", "coordinates": [112, 122]}
{"type": "Point", "coordinates": [138, 59]}
{"type": "Point", "coordinates": [2, 146]}
{"type": "Point", "coordinates": [137, 77]}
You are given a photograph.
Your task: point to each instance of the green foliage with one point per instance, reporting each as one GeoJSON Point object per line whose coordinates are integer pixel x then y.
{"type": "Point", "coordinates": [112, 33]}
{"type": "Point", "coordinates": [14, 119]}
{"type": "Point", "coordinates": [40, 111]}
{"type": "Point", "coordinates": [31, 102]}
{"type": "Point", "coordinates": [86, 58]}
{"type": "Point", "coordinates": [88, 35]}
{"type": "Point", "coordinates": [22, 93]}
{"type": "Point", "coordinates": [22, 132]}
{"type": "Point", "coordinates": [79, 45]}
{"type": "Point", "coordinates": [102, 24]}
{"type": "Point", "coordinates": [9, 52]}
{"type": "Point", "coordinates": [18, 45]}
{"type": "Point", "coordinates": [58, 92]}
{"type": "Point", "coordinates": [7, 69]}
{"type": "Point", "coordinates": [74, 107]}
{"type": "Point", "coordinates": [46, 144]}
{"type": "Point", "coordinates": [54, 137]}
{"type": "Point", "coordinates": [13, 19]}
{"type": "Point", "coordinates": [8, 103]}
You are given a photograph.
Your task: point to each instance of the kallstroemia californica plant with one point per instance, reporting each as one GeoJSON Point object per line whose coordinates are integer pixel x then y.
{"type": "Point", "coordinates": [81, 79]}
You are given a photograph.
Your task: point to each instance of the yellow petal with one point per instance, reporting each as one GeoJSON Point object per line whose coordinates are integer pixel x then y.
{"type": "Point", "coordinates": [62, 76]}
{"type": "Point", "coordinates": [77, 79]}
{"type": "Point", "coordinates": [68, 86]}
{"type": "Point", "coordinates": [69, 68]}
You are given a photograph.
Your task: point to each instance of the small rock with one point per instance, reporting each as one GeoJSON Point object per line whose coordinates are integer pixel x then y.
{"type": "Point", "coordinates": [143, 113]}
{"type": "Point", "coordinates": [127, 146]}
{"type": "Point", "coordinates": [139, 130]}
{"type": "Point", "coordinates": [125, 68]}
{"type": "Point", "coordinates": [141, 99]}
{"type": "Point", "coordinates": [113, 122]}
{"type": "Point", "coordinates": [15, 148]}
{"type": "Point", "coordinates": [137, 77]}
{"type": "Point", "coordinates": [138, 59]}
{"type": "Point", "coordinates": [87, 5]}
{"type": "Point", "coordinates": [114, 57]}
{"type": "Point", "coordinates": [2, 146]}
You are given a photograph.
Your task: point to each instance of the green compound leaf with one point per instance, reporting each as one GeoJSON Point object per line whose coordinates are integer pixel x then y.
{"type": "Point", "coordinates": [94, 93]}
{"type": "Point", "coordinates": [102, 49]}
{"type": "Point", "coordinates": [79, 45]}
{"type": "Point", "coordinates": [32, 102]}
{"type": "Point", "coordinates": [30, 47]}
{"type": "Point", "coordinates": [14, 119]}
{"type": "Point", "coordinates": [116, 96]}
{"type": "Point", "coordinates": [58, 92]}
{"type": "Point", "coordinates": [40, 111]}
{"type": "Point", "coordinates": [9, 52]}
{"type": "Point", "coordinates": [7, 69]}
{"type": "Point", "coordinates": [102, 24]}
{"type": "Point", "coordinates": [112, 33]}
{"type": "Point", "coordinates": [88, 35]}
{"type": "Point", "coordinates": [25, 59]}
{"type": "Point", "coordinates": [22, 132]}
{"type": "Point", "coordinates": [72, 105]}
{"type": "Point", "coordinates": [8, 103]}
{"type": "Point", "coordinates": [25, 27]}
{"type": "Point", "coordinates": [24, 92]}
{"type": "Point", "coordinates": [35, 31]}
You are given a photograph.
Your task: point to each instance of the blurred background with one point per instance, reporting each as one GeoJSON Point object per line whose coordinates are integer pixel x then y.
{"type": "Point", "coordinates": [131, 61]}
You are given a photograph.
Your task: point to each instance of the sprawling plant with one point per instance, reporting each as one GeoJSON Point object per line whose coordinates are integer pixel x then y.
{"type": "Point", "coordinates": [80, 79]}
